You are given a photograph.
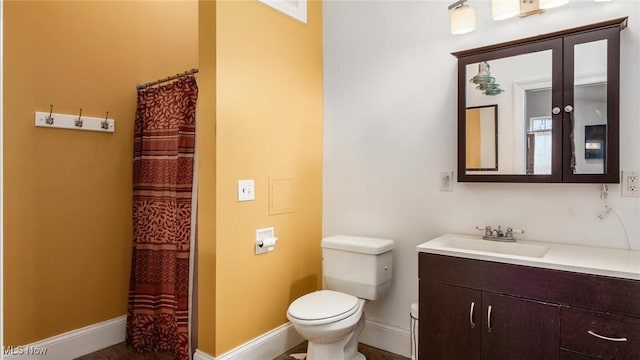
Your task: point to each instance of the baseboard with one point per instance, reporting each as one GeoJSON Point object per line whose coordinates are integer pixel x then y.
{"type": "Point", "coordinates": [279, 340]}
{"type": "Point", "coordinates": [388, 338]}
{"type": "Point", "coordinates": [201, 355]}
{"type": "Point", "coordinates": [72, 344]}
{"type": "Point", "coordinates": [266, 346]}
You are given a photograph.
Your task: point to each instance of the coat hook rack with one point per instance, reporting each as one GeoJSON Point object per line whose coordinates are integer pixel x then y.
{"type": "Point", "coordinates": [78, 122]}
{"type": "Point", "coordinates": [49, 119]}
{"type": "Point", "coordinates": [74, 122]}
{"type": "Point", "coordinates": [105, 124]}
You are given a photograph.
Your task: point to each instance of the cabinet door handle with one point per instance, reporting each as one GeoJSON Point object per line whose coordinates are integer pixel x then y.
{"type": "Point", "coordinates": [605, 337]}
{"type": "Point", "coordinates": [489, 318]}
{"type": "Point", "coordinates": [473, 304]}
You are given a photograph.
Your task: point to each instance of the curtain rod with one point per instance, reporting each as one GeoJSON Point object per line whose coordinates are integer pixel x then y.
{"type": "Point", "coordinates": [176, 76]}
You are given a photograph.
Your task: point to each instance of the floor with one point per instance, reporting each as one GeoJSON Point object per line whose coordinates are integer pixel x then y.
{"type": "Point", "coordinates": [123, 352]}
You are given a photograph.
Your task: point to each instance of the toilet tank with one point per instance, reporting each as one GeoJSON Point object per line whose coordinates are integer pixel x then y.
{"type": "Point", "coordinates": [359, 266]}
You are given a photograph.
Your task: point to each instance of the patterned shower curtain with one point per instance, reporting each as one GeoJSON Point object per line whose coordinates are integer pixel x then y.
{"type": "Point", "coordinates": [163, 163]}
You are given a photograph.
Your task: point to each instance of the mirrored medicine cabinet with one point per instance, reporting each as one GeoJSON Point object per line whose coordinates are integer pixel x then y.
{"type": "Point", "coordinates": [542, 109]}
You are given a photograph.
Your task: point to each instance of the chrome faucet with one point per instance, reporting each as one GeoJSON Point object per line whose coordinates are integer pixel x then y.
{"type": "Point", "coordinates": [497, 234]}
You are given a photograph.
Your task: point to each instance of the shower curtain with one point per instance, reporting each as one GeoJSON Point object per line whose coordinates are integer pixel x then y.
{"type": "Point", "coordinates": [163, 165]}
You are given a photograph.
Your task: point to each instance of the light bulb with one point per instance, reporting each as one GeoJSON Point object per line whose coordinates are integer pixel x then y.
{"type": "Point", "coordinates": [463, 20]}
{"type": "Point", "coordinates": [548, 4]}
{"type": "Point", "coordinates": [504, 9]}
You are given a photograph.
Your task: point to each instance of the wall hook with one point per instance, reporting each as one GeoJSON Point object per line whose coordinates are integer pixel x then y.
{"type": "Point", "coordinates": [105, 124]}
{"type": "Point", "coordinates": [78, 121]}
{"type": "Point", "coordinates": [49, 119]}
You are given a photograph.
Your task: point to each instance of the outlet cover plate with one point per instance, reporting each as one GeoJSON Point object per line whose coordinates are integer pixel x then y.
{"type": "Point", "coordinates": [630, 183]}
{"type": "Point", "coordinates": [446, 181]}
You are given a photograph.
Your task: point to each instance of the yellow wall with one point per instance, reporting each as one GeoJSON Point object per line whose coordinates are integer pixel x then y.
{"type": "Point", "coordinates": [67, 194]}
{"type": "Point", "coordinates": [269, 124]}
{"type": "Point", "coordinates": [67, 206]}
{"type": "Point", "coordinates": [206, 143]}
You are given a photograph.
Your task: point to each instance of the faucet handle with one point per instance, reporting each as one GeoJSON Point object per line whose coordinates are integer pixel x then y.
{"type": "Point", "coordinates": [487, 229]}
{"type": "Point", "coordinates": [515, 231]}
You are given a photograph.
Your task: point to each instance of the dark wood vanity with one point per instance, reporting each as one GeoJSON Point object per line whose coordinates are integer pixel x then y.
{"type": "Point", "coordinates": [477, 309]}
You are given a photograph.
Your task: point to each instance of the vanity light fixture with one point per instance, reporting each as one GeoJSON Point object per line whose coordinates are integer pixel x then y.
{"type": "Point", "coordinates": [504, 9]}
{"type": "Point", "coordinates": [548, 4]}
{"type": "Point", "coordinates": [463, 17]}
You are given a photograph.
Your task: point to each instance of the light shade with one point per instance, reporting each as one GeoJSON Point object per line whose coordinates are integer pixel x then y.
{"type": "Point", "coordinates": [548, 4]}
{"type": "Point", "coordinates": [463, 20]}
{"type": "Point", "coordinates": [504, 9]}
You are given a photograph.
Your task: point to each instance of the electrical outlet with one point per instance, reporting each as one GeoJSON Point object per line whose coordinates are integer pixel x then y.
{"type": "Point", "coordinates": [446, 181]}
{"type": "Point", "coordinates": [630, 183]}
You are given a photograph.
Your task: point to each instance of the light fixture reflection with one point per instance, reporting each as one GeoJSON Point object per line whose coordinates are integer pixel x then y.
{"type": "Point", "coordinates": [463, 18]}
{"type": "Point", "coordinates": [486, 83]}
{"type": "Point", "coordinates": [548, 4]}
{"type": "Point", "coordinates": [504, 9]}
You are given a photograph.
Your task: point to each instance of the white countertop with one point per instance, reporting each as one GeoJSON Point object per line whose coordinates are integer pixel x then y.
{"type": "Point", "coordinates": [583, 259]}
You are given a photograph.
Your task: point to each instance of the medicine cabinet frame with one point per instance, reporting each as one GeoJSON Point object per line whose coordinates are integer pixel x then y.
{"type": "Point", "coordinates": [561, 44]}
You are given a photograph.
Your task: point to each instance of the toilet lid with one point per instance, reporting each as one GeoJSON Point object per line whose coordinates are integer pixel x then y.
{"type": "Point", "coordinates": [323, 304]}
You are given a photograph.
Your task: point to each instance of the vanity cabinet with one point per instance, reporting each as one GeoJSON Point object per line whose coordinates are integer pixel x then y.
{"type": "Point", "coordinates": [536, 313]}
{"type": "Point", "coordinates": [556, 101]}
{"type": "Point", "coordinates": [486, 325]}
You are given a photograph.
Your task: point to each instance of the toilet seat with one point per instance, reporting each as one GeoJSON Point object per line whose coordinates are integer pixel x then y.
{"type": "Point", "coordinates": [322, 307]}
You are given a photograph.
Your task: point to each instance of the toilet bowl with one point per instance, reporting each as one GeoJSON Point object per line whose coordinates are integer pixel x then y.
{"type": "Point", "coordinates": [354, 269]}
{"type": "Point", "coordinates": [331, 321]}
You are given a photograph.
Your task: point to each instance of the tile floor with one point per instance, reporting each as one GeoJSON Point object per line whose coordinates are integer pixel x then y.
{"type": "Point", "coordinates": [124, 352]}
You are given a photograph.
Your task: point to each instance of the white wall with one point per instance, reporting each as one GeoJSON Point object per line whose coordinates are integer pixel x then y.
{"type": "Point", "coordinates": [390, 128]}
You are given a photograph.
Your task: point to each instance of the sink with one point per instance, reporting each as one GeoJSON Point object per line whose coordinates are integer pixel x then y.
{"type": "Point", "coordinates": [510, 248]}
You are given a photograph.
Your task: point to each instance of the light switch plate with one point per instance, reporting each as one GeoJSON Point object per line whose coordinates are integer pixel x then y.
{"type": "Point", "coordinates": [246, 190]}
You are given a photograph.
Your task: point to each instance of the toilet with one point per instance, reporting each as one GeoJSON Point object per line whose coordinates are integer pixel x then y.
{"type": "Point", "coordinates": [355, 269]}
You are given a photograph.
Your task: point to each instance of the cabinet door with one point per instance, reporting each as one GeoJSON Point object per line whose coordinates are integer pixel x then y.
{"type": "Point", "coordinates": [450, 322]}
{"type": "Point", "coordinates": [591, 106]}
{"type": "Point", "coordinates": [520, 329]}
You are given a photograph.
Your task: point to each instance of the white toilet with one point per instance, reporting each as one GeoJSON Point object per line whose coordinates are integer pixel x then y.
{"type": "Point", "coordinates": [355, 269]}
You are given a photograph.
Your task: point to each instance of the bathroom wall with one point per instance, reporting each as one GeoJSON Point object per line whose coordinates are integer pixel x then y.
{"type": "Point", "coordinates": [390, 129]}
{"type": "Point", "coordinates": [268, 125]}
{"type": "Point", "coordinates": [67, 194]}
{"type": "Point", "coordinates": [203, 322]}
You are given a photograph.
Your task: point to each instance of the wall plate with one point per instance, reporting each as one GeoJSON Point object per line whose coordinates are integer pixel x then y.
{"type": "Point", "coordinates": [246, 190]}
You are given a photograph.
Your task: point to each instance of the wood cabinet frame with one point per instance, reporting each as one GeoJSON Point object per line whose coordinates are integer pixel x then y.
{"type": "Point", "coordinates": [562, 94]}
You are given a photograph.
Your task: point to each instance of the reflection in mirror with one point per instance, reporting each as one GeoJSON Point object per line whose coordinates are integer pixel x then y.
{"type": "Point", "coordinates": [538, 129]}
{"type": "Point", "coordinates": [590, 107]}
{"type": "Point", "coordinates": [482, 138]}
{"type": "Point", "coordinates": [525, 81]}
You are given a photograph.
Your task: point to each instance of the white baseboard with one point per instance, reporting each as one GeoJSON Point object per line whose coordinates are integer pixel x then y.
{"type": "Point", "coordinates": [72, 344]}
{"type": "Point", "coordinates": [277, 341]}
{"type": "Point", "coordinates": [201, 355]}
{"type": "Point", "coordinates": [388, 338]}
{"type": "Point", "coordinates": [266, 346]}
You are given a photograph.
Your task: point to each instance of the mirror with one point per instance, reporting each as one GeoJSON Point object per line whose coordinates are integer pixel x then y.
{"type": "Point", "coordinates": [556, 96]}
{"type": "Point", "coordinates": [524, 109]}
{"type": "Point", "coordinates": [482, 138]}
{"type": "Point", "coordinates": [590, 107]}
